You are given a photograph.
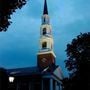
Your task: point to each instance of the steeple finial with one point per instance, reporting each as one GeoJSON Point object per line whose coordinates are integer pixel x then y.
{"type": "Point", "coordinates": [45, 11]}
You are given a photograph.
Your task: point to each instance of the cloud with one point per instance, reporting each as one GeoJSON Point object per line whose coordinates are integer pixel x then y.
{"type": "Point", "coordinates": [69, 11]}
{"type": "Point", "coordinates": [34, 8]}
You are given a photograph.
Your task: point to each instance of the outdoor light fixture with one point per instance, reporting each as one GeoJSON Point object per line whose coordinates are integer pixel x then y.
{"type": "Point", "coordinates": [11, 79]}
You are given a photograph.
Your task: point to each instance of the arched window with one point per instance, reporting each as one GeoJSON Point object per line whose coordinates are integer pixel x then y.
{"type": "Point", "coordinates": [44, 45]}
{"type": "Point", "coordinates": [44, 20]}
{"type": "Point", "coordinates": [51, 46]}
{"type": "Point", "coordinates": [44, 31]}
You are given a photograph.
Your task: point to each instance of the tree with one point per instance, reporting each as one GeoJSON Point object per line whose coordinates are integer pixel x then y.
{"type": "Point", "coordinates": [66, 84]}
{"type": "Point", "coordinates": [7, 7]}
{"type": "Point", "coordinates": [3, 79]}
{"type": "Point", "coordinates": [78, 62]}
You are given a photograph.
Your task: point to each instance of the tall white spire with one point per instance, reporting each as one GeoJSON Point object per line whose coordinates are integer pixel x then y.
{"type": "Point", "coordinates": [45, 11]}
{"type": "Point", "coordinates": [46, 52]}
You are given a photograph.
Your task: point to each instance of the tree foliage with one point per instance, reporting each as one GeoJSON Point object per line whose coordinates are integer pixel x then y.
{"type": "Point", "coordinates": [7, 7]}
{"type": "Point", "coordinates": [78, 53]}
{"type": "Point", "coordinates": [78, 63]}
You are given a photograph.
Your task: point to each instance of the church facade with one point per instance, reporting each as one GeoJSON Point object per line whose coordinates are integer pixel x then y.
{"type": "Point", "coordinates": [46, 75]}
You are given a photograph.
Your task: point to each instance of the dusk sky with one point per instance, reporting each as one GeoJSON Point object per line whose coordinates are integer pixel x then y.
{"type": "Point", "coordinates": [20, 44]}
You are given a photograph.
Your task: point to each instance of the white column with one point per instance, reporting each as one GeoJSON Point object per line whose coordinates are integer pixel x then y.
{"type": "Point", "coordinates": [51, 84]}
{"type": "Point", "coordinates": [60, 87]}
{"type": "Point", "coordinates": [56, 85]}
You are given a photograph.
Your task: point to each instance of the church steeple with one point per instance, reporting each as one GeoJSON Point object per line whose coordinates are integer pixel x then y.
{"type": "Point", "coordinates": [45, 11]}
{"type": "Point", "coordinates": [46, 56]}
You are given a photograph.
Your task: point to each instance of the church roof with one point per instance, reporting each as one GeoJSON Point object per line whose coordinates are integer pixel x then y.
{"type": "Point", "coordinates": [35, 71]}
{"type": "Point", "coordinates": [58, 73]}
{"type": "Point", "coordinates": [45, 11]}
{"type": "Point", "coordinates": [23, 71]}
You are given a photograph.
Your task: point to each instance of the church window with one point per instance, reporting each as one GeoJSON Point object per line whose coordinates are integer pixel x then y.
{"type": "Point", "coordinates": [44, 45]}
{"type": "Point", "coordinates": [44, 31]}
{"type": "Point", "coordinates": [51, 46]}
{"type": "Point", "coordinates": [44, 20]}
